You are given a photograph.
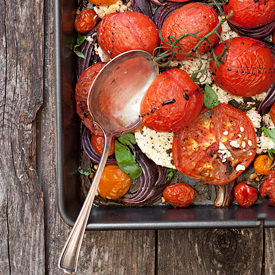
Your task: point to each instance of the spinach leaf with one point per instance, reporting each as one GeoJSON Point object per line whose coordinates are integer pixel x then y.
{"type": "Point", "coordinates": [269, 133]}
{"type": "Point", "coordinates": [170, 173]}
{"type": "Point", "coordinates": [126, 161]}
{"type": "Point", "coordinates": [210, 97]}
{"type": "Point", "coordinates": [84, 173]}
{"type": "Point", "coordinates": [79, 41]}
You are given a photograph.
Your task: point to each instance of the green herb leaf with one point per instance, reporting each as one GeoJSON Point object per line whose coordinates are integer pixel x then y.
{"type": "Point", "coordinates": [79, 53]}
{"type": "Point", "coordinates": [210, 97]}
{"type": "Point", "coordinates": [269, 133]}
{"type": "Point", "coordinates": [79, 41]}
{"type": "Point", "coordinates": [270, 153]}
{"type": "Point", "coordinates": [84, 173]}
{"type": "Point", "coordinates": [127, 139]}
{"type": "Point", "coordinates": [126, 161]}
{"type": "Point", "coordinates": [170, 173]}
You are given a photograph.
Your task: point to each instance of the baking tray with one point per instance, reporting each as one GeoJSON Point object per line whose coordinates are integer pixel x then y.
{"type": "Point", "coordinates": [68, 154]}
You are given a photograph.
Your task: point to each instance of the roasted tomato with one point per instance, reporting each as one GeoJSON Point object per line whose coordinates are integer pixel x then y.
{"type": "Point", "coordinates": [268, 188]}
{"type": "Point", "coordinates": [272, 113]}
{"type": "Point", "coordinates": [173, 100]}
{"type": "Point", "coordinates": [121, 32]}
{"type": "Point", "coordinates": [98, 144]}
{"type": "Point", "coordinates": [179, 194]}
{"type": "Point", "coordinates": [85, 21]}
{"type": "Point", "coordinates": [250, 13]}
{"type": "Point", "coordinates": [114, 183]}
{"type": "Point", "coordinates": [262, 164]}
{"type": "Point", "coordinates": [81, 93]}
{"type": "Point", "coordinates": [103, 2]}
{"type": "Point", "coordinates": [217, 147]}
{"type": "Point", "coordinates": [245, 195]}
{"type": "Point", "coordinates": [248, 69]}
{"type": "Point", "coordinates": [191, 18]}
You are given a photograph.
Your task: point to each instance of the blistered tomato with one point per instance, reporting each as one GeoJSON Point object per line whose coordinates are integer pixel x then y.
{"type": "Point", "coordinates": [245, 195]}
{"type": "Point", "coordinates": [179, 194]}
{"type": "Point", "coordinates": [268, 188]}
{"type": "Point", "coordinates": [262, 164]}
{"type": "Point", "coordinates": [114, 183]}
{"type": "Point", "coordinates": [85, 21]}
{"type": "Point", "coordinates": [98, 144]}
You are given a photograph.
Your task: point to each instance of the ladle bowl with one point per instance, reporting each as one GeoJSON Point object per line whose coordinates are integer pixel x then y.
{"type": "Point", "coordinates": [114, 104]}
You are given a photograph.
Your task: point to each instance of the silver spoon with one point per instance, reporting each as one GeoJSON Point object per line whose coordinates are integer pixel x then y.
{"type": "Point", "coordinates": [113, 102]}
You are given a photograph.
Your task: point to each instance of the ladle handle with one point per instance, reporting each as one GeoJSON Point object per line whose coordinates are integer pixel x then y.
{"type": "Point", "coordinates": [69, 256]}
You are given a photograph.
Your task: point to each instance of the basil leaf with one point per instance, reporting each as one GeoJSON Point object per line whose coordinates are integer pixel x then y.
{"type": "Point", "coordinates": [79, 41]}
{"type": "Point", "coordinates": [79, 53]}
{"type": "Point", "coordinates": [127, 139]}
{"type": "Point", "coordinates": [269, 133]}
{"type": "Point", "coordinates": [210, 97]}
{"type": "Point", "coordinates": [270, 153]}
{"type": "Point", "coordinates": [170, 173]}
{"type": "Point", "coordinates": [82, 172]}
{"type": "Point", "coordinates": [126, 161]}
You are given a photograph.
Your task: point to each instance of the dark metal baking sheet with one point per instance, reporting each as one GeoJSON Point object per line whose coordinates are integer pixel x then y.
{"type": "Point", "coordinates": [68, 153]}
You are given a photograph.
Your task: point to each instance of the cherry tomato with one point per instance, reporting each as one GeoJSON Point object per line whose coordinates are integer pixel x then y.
{"type": "Point", "coordinates": [262, 164]}
{"type": "Point", "coordinates": [248, 69]}
{"type": "Point", "coordinates": [98, 144]}
{"type": "Point", "coordinates": [245, 195]}
{"type": "Point", "coordinates": [217, 147]}
{"type": "Point", "coordinates": [191, 18]}
{"type": "Point", "coordinates": [250, 13]}
{"type": "Point", "coordinates": [121, 32]}
{"type": "Point", "coordinates": [114, 183]}
{"type": "Point", "coordinates": [85, 21]}
{"type": "Point", "coordinates": [272, 113]}
{"type": "Point", "coordinates": [103, 2]}
{"type": "Point", "coordinates": [172, 101]}
{"type": "Point", "coordinates": [179, 194]}
{"type": "Point", "coordinates": [81, 93]}
{"type": "Point", "coordinates": [268, 188]}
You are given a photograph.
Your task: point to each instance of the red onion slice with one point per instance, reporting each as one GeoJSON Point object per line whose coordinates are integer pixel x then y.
{"type": "Point", "coordinates": [257, 33]}
{"type": "Point", "coordinates": [89, 150]}
{"type": "Point", "coordinates": [142, 6]}
{"type": "Point", "coordinates": [269, 100]}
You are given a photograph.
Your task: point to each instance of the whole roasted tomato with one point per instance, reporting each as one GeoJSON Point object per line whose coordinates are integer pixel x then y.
{"type": "Point", "coordinates": [103, 2]}
{"type": "Point", "coordinates": [217, 147]}
{"type": "Point", "coordinates": [191, 18]}
{"type": "Point", "coordinates": [250, 13]}
{"type": "Point", "coordinates": [125, 31]}
{"type": "Point", "coordinates": [172, 101]}
{"type": "Point", "coordinates": [272, 113]}
{"type": "Point", "coordinates": [248, 69]}
{"type": "Point", "coordinates": [81, 94]}
{"type": "Point", "coordinates": [85, 21]}
{"type": "Point", "coordinates": [245, 195]}
{"type": "Point", "coordinates": [268, 188]}
{"type": "Point", "coordinates": [179, 194]}
{"type": "Point", "coordinates": [114, 183]}
{"type": "Point", "coordinates": [98, 144]}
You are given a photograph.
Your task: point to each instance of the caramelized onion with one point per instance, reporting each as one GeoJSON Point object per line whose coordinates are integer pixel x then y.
{"type": "Point", "coordinates": [257, 33]}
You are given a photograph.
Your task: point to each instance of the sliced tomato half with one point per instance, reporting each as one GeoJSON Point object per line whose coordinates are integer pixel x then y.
{"type": "Point", "coordinates": [217, 147]}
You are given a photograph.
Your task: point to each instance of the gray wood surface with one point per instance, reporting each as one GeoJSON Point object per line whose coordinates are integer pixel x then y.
{"type": "Point", "coordinates": [31, 231]}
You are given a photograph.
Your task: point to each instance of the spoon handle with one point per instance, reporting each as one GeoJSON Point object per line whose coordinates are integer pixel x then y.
{"type": "Point", "coordinates": [69, 256]}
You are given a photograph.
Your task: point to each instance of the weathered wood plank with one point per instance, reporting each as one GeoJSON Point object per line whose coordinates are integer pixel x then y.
{"type": "Point", "coordinates": [21, 95]}
{"type": "Point", "coordinates": [215, 251]}
{"type": "Point", "coordinates": [269, 251]}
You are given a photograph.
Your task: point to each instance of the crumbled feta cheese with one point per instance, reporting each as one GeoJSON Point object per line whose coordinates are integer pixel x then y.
{"type": "Point", "coordinates": [102, 10]}
{"type": "Point", "coordinates": [224, 152]}
{"type": "Point", "coordinates": [103, 56]}
{"type": "Point", "coordinates": [225, 133]}
{"type": "Point", "coordinates": [255, 117]}
{"type": "Point", "coordinates": [242, 129]}
{"type": "Point", "coordinates": [243, 144]}
{"type": "Point", "coordinates": [156, 145]}
{"type": "Point", "coordinates": [264, 143]}
{"type": "Point", "coordinates": [268, 123]}
{"type": "Point", "coordinates": [249, 142]}
{"type": "Point", "coordinates": [240, 167]}
{"type": "Point", "coordinates": [234, 143]}
{"type": "Point", "coordinates": [225, 97]}
{"type": "Point", "coordinates": [227, 32]}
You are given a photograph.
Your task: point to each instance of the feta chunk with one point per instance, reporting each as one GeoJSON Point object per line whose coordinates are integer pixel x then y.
{"type": "Point", "coordinates": [240, 167]}
{"type": "Point", "coordinates": [102, 10]}
{"type": "Point", "coordinates": [223, 152]}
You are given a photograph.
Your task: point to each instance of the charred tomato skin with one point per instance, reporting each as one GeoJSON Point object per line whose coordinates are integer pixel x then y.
{"type": "Point", "coordinates": [198, 149]}
{"type": "Point", "coordinates": [179, 194]}
{"type": "Point", "coordinates": [121, 32]}
{"type": "Point", "coordinates": [248, 69]}
{"type": "Point", "coordinates": [250, 13]}
{"type": "Point", "coordinates": [85, 21]}
{"type": "Point", "coordinates": [81, 94]}
{"type": "Point", "coordinates": [172, 101]}
{"type": "Point", "coordinates": [245, 195]}
{"type": "Point", "coordinates": [268, 188]}
{"type": "Point", "coordinates": [191, 18]}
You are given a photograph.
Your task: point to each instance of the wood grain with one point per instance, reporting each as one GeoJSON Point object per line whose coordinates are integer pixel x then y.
{"type": "Point", "coordinates": [215, 251]}
{"type": "Point", "coordinates": [21, 86]}
{"type": "Point", "coordinates": [269, 251]}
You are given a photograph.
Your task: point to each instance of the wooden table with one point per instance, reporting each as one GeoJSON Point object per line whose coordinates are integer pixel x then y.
{"type": "Point", "coordinates": [31, 232]}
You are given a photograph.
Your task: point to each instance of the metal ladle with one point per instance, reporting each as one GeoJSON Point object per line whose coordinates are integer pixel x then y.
{"type": "Point", "coordinates": [113, 102]}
